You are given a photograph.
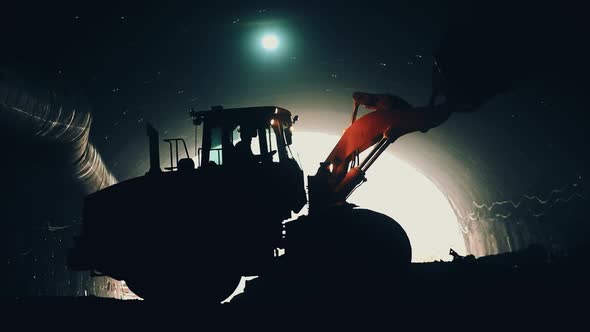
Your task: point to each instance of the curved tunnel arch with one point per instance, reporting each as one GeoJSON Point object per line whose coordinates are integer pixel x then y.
{"type": "Point", "coordinates": [446, 168]}
{"type": "Point", "coordinates": [498, 205]}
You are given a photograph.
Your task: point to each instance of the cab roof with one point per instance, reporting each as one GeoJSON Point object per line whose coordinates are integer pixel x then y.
{"type": "Point", "coordinates": [242, 115]}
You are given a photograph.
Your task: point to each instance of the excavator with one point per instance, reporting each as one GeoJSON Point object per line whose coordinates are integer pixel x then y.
{"type": "Point", "coordinates": [205, 221]}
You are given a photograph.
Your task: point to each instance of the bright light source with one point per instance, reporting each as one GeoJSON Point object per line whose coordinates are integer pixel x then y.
{"type": "Point", "coordinates": [272, 122]}
{"type": "Point", "coordinates": [270, 42]}
{"type": "Point", "coordinates": [398, 190]}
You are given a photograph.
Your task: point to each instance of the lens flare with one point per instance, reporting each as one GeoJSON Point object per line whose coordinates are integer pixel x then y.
{"type": "Point", "coordinates": [270, 42]}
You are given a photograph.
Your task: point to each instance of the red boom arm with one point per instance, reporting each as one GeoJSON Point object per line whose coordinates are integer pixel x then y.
{"type": "Point", "coordinates": [392, 118]}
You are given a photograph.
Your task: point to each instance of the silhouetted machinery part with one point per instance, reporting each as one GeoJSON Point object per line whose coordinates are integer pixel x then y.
{"type": "Point", "coordinates": [471, 66]}
{"type": "Point", "coordinates": [345, 249]}
{"type": "Point", "coordinates": [201, 228]}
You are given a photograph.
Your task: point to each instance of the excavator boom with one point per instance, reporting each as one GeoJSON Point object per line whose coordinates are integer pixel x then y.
{"type": "Point", "coordinates": [393, 117]}
{"type": "Point", "coordinates": [467, 72]}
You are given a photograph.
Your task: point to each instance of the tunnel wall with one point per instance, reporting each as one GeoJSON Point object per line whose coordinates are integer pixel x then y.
{"type": "Point", "coordinates": [25, 115]}
{"type": "Point", "coordinates": [495, 194]}
{"type": "Point", "coordinates": [47, 144]}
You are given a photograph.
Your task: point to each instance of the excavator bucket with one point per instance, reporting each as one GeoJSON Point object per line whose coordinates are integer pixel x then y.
{"type": "Point", "coordinates": [471, 67]}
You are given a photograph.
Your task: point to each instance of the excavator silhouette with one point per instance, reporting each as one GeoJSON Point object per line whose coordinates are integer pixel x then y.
{"type": "Point", "coordinates": [204, 227]}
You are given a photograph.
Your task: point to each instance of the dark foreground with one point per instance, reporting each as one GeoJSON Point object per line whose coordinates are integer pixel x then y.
{"type": "Point", "coordinates": [528, 287]}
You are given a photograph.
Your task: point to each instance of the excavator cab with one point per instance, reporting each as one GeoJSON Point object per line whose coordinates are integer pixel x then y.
{"type": "Point", "coordinates": [253, 142]}
{"type": "Point", "coordinates": [224, 134]}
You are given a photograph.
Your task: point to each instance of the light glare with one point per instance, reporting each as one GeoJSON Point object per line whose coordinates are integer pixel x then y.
{"type": "Point", "coordinates": [400, 191]}
{"type": "Point", "coordinates": [270, 42]}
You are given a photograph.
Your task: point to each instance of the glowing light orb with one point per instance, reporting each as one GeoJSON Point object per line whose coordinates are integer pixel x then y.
{"type": "Point", "coordinates": [270, 42]}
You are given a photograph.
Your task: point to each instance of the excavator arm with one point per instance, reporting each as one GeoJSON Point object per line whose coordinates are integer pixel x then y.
{"type": "Point", "coordinates": [467, 71]}
{"type": "Point", "coordinates": [393, 117]}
